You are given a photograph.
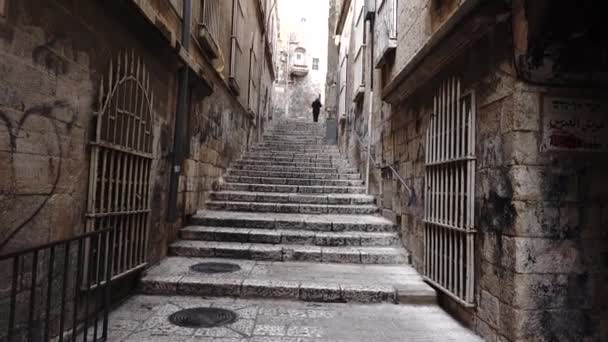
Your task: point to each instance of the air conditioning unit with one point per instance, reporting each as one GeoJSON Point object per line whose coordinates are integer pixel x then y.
{"type": "Point", "coordinates": [370, 9]}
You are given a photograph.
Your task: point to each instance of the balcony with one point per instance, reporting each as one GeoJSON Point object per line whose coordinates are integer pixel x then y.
{"type": "Point", "coordinates": [298, 70]}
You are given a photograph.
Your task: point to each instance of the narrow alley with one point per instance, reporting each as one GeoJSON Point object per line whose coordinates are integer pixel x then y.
{"type": "Point", "coordinates": [292, 224]}
{"type": "Point", "coordinates": [303, 171]}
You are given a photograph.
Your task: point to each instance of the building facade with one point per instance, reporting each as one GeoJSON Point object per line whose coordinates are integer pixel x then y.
{"type": "Point", "coordinates": [486, 125]}
{"type": "Point", "coordinates": [125, 114]}
{"type": "Point", "coordinates": [303, 57]}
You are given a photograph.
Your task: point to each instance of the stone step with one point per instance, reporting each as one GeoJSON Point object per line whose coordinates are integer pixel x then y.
{"type": "Point", "coordinates": [291, 198]}
{"type": "Point", "coordinates": [310, 139]}
{"type": "Point", "coordinates": [280, 147]}
{"type": "Point", "coordinates": [273, 153]}
{"type": "Point", "coordinates": [296, 189]}
{"type": "Point", "coordinates": [313, 282]}
{"type": "Point", "coordinates": [292, 208]}
{"type": "Point", "coordinates": [268, 153]}
{"type": "Point", "coordinates": [343, 165]}
{"type": "Point", "coordinates": [289, 237]}
{"type": "Point", "coordinates": [280, 252]}
{"type": "Point", "coordinates": [269, 167]}
{"type": "Point", "coordinates": [321, 222]}
{"type": "Point", "coordinates": [282, 174]}
{"type": "Point", "coordinates": [292, 181]}
{"type": "Point", "coordinates": [332, 161]}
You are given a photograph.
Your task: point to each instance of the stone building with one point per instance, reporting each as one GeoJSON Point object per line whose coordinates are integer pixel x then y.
{"type": "Point", "coordinates": [148, 100]}
{"type": "Point", "coordinates": [487, 124]}
{"type": "Point", "coordinates": [303, 61]}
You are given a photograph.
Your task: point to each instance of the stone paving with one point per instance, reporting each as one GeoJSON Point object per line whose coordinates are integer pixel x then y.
{"type": "Point", "coordinates": [293, 216]}
{"type": "Point", "coordinates": [145, 318]}
{"type": "Point", "coordinates": [294, 280]}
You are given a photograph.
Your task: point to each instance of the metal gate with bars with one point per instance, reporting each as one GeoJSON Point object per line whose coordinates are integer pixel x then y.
{"type": "Point", "coordinates": [449, 201]}
{"type": "Point", "coordinates": [121, 161]}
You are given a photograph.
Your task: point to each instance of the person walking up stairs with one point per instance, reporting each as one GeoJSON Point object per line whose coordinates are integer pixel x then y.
{"type": "Point", "coordinates": [292, 221]}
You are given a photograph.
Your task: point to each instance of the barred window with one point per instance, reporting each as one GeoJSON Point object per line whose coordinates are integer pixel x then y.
{"type": "Point", "coordinates": [315, 64]}
{"type": "Point", "coordinates": [450, 191]}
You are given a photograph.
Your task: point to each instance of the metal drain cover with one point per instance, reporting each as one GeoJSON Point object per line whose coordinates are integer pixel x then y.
{"type": "Point", "coordinates": [215, 267]}
{"type": "Point", "coordinates": [203, 317]}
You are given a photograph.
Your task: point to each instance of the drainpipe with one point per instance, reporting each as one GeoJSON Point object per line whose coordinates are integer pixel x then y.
{"type": "Point", "coordinates": [180, 116]}
{"type": "Point", "coordinates": [371, 102]}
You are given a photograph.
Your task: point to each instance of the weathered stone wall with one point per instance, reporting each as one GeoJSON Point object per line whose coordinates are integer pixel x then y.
{"type": "Point", "coordinates": [51, 66]}
{"type": "Point", "coordinates": [540, 250]}
{"type": "Point", "coordinates": [53, 56]}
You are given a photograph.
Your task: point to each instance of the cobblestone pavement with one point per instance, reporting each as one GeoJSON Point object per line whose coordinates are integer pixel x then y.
{"type": "Point", "coordinates": [145, 318]}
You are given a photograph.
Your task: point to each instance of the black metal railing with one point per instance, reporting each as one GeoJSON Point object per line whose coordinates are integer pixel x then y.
{"type": "Point", "coordinates": [58, 291]}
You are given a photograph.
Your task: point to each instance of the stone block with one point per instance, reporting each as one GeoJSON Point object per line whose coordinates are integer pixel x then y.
{"type": "Point", "coordinates": [317, 292]}
{"type": "Point", "coordinates": [537, 219]}
{"type": "Point", "coordinates": [264, 236]}
{"type": "Point", "coordinates": [526, 182]}
{"type": "Point", "coordinates": [232, 250]}
{"type": "Point", "coordinates": [302, 253]}
{"type": "Point", "coordinates": [159, 285]}
{"type": "Point", "coordinates": [521, 148]}
{"type": "Point", "coordinates": [329, 239]}
{"type": "Point", "coordinates": [368, 293]}
{"type": "Point", "coordinates": [341, 255]}
{"type": "Point", "coordinates": [539, 255]}
{"type": "Point", "coordinates": [488, 308]}
{"type": "Point", "coordinates": [526, 112]}
{"type": "Point", "coordinates": [543, 325]}
{"type": "Point", "coordinates": [230, 235]}
{"type": "Point", "coordinates": [270, 289]}
{"type": "Point", "coordinates": [266, 252]}
{"type": "Point", "coordinates": [205, 286]}
{"type": "Point", "coordinates": [298, 237]}
{"type": "Point", "coordinates": [382, 256]}
{"type": "Point", "coordinates": [483, 329]}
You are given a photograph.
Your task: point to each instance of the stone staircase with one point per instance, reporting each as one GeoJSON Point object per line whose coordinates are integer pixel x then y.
{"type": "Point", "coordinates": [294, 221]}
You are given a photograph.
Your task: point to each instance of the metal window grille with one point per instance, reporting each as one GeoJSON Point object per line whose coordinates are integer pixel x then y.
{"type": "Point", "coordinates": [121, 162]}
{"type": "Point", "coordinates": [238, 60]}
{"type": "Point", "coordinates": [342, 74]}
{"type": "Point", "coordinates": [211, 17]}
{"type": "Point", "coordinates": [449, 201]}
{"type": "Point", "coordinates": [252, 101]}
{"type": "Point", "coordinates": [359, 60]}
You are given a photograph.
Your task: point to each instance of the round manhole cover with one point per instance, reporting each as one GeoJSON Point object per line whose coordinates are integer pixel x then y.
{"type": "Point", "coordinates": [215, 267]}
{"type": "Point", "coordinates": [203, 317]}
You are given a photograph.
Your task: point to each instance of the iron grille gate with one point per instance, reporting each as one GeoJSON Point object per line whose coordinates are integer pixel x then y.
{"type": "Point", "coordinates": [449, 201]}
{"type": "Point", "coordinates": [121, 160]}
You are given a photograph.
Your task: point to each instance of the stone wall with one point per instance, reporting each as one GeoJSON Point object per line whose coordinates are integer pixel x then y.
{"type": "Point", "coordinates": [540, 250]}
{"type": "Point", "coordinates": [53, 56]}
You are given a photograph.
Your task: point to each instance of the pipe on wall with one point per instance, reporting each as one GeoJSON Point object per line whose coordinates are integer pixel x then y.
{"type": "Point", "coordinates": [180, 118]}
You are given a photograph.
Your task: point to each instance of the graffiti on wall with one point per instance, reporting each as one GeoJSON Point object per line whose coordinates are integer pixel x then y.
{"type": "Point", "coordinates": [574, 125]}
{"type": "Point", "coordinates": [15, 128]}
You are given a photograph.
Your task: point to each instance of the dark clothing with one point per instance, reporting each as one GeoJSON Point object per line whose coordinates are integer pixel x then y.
{"type": "Point", "coordinates": [316, 109]}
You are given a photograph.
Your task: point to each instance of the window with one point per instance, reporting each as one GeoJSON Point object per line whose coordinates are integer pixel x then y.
{"type": "Point", "coordinates": [298, 57]}
{"type": "Point", "coordinates": [315, 64]}
{"type": "Point", "coordinates": [209, 30]}
{"type": "Point", "coordinates": [386, 40]}
{"type": "Point", "coordinates": [238, 59]}
{"type": "Point", "coordinates": [449, 199]}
